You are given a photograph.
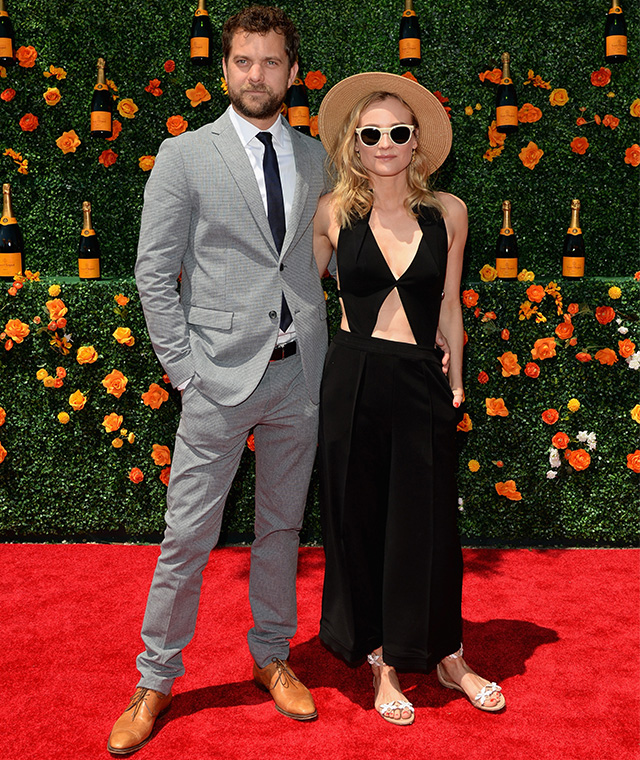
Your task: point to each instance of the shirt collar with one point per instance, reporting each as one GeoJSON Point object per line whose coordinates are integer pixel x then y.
{"type": "Point", "coordinates": [247, 131]}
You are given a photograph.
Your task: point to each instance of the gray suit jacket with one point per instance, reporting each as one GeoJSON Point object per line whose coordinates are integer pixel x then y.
{"type": "Point", "coordinates": [203, 216]}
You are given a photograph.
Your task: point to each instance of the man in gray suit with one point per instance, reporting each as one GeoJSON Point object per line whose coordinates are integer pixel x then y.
{"type": "Point", "coordinates": [230, 207]}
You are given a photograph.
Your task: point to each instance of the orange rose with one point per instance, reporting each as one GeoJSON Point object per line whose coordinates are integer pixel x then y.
{"type": "Point", "coordinates": [161, 455]}
{"type": "Point", "coordinates": [579, 459]}
{"type": "Point", "coordinates": [492, 153]}
{"type": "Point", "coordinates": [112, 422]}
{"type": "Point", "coordinates": [535, 293]}
{"type": "Point", "coordinates": [124, 337]}
{"type": "Point", "coordinates": [558, 97]}
{"type": "Point", "coordinates": [488, 273]}
{"type": "Point", "coordinates": [544, 348]}
{"type": "Point", "coordinates": [496, 138]}
{"type": "Point", "coordinates": [127, 108]}
{"type": "Point", "coordinates": [632, 155]}
{"type": "Point", "coordinates": [199, 94]}
{"type": "Point", "coordinates": [107, 158]}
{"type": "Point", "coordinates": [29, 122]}
{"type": "Point", "coordinates": [116, 128]}
{"type": "Point", "coordinates": [115, 383]}
{"type": "Point", "coordinates": [77, 401]}
{"type": "Point", "coordinates": [465, 424]}
{"type": "Point", "coordinates": [17, 330]}
{"type": "Point", "coordinates": [491, 75]}
{"type": "Point", "coordinates": [146, 163]}
{"type": "Point", "coordinates": [530, 155]}
{"type": "Point", "coordinates": [176, 125]}
{"type": "Point", "coordinates": [26, 56]}
{"type": "Point", "coordinates": [136, 475]}
{"type": "Point", "coordinates": [579, 145]}
{"type": "Point", "coordinates": [55, 71]}
{"type": "Point", "coordinates": [626, 347]}
{"type": "Point", "coordinates": [165, 475]}
{"type": "Point", "coordinates": [633, 460]}
{"type": "Point", "coordinates": [86, 355]}
{"type": "Point", "coordinates": [564, 330]}
{"type": "Point", "coordinates": [52, 96]}
{"type": "Point", "coordinates": [117, 443]}
{"type": "Point", "coordinates": [68, 142]}
{"type": "Point", "coordinates": [560, 440]}
{"type": "Point", "coordinates": [573, 308]}
{"type": "Point", "coordinates": [634, 109]}
{"type": "Point", "coordinates": [532, 369]}
{"type": "Point", "coordinates": [313, 126]}
{"type": "Point", "coordinates": [508, 489]}
{"type": "Point", "coordinates": [8, 95]}
{"type": "Point", "coordinates": [606, 356]}
{"type": "Point", "coordinates": [315, 80]}
{"type": "Point", "coordinates": [56, 308]}
{"type": "Point", "coordinates": [582, 356]}
{"type": "Point", "coordinates": [605, 314]}
{"type": "Point", "coordinates": [155, 396]}
{"type": "Point", "coordinates": [610, 121]}
{"type": "Point", "coordinates": [550, 416]}
{"type": "Point", "coordinates": [3, 416]}
{"type": "Point", "coordinates": [154, 87]}
{"type": "Point", "coordinates": [409, 75]}
{"type": "Point", "coordinates": [61, 372]}
{"type": "Point", "coordinates": [529, 113]}
{"type": "Point", "coordinates": [169, 66]}
{"type": "Point", "coordinates": [496, 407]}
{"type": "Point", "coordinates": [509, 362]}
{"type": "Point", "coordinates": [469, 298]}
{"type": "Point", "coordinates": [3, 453]}
{"type": "Point", "coordinates": [601, 77]}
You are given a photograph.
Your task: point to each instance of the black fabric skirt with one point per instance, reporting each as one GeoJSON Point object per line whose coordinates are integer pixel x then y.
{"type": "Point", "coordinates": [389, 503]}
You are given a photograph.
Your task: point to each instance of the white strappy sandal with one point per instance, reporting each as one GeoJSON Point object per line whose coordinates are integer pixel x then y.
{"type": "Point", "coordinates": [375, 660]}
{"type": "Point", "coordinates": [481, 697]}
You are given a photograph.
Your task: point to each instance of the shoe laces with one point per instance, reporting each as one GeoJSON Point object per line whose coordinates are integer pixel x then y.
{"type": "Point", "coordinates": [285, 676]}
{"type": "Point", "coordinates": [137, 700]}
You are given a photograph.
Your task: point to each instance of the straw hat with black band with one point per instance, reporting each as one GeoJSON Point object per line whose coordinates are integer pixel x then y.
{"type": "Point", "coordinates": [434, 127]}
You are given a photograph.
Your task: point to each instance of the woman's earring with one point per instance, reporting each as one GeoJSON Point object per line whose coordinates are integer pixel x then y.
{"type": "Point", "coordinates": [413, 155]}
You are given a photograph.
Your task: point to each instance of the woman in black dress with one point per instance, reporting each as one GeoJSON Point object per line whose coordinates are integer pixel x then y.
{"type": "Point", "coordinates": [393, 580]}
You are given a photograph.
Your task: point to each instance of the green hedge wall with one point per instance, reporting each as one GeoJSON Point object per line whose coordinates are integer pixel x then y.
{"type": "Point", "coordinates": [68, 480]}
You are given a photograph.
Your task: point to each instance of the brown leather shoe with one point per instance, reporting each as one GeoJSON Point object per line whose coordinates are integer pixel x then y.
{"type": "Point", "coordinates": [292, 698]}
{"type": "Point", "coordinates": [133, 728]}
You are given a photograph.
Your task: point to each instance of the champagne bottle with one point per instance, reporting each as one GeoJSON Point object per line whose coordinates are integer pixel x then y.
{"type": "Point", "coordinates": [507, 247]}
{"type": "Point", "coordinates": [298, 106]}
{"type": "Point", "coordinates": [409, 36]}
{"type": "Point", "coordinates": [506, 101]}
{"type": "Point", "coordinates": [615, 35]}
{"type": "Point", "coordinates": [573, 253]}
{"type": "Point", "coordinates": [7, 39]}
{"type": "Point", "coordinates": [89, 248]}
{"type": "Point", "coordinates": [101, 106]}
{"type": "Point", "coordinates": [201, 36]}
{"type": "Point", "coordinates": [11, 243]}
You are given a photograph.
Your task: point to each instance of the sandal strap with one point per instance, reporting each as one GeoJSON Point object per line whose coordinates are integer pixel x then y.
{"type": "Point", "coordinates": [376, 660]}
{"type": "Point", "coordinates": [397, 704]}
{"type": "Point", "coordinates": [486, 691]}
{"type": "Point", "coordinates": [457, 654]}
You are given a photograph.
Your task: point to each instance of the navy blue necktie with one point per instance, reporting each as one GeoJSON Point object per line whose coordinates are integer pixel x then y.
{"type": "Point", "coordinates": [275, 208]}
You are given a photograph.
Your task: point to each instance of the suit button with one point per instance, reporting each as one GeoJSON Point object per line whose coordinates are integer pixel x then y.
{"type": "Point", "coordinates": [273, 314]}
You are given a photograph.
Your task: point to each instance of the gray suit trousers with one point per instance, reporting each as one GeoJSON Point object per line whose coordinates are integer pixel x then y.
{"type": "Point", "coordinates": [209, 443]}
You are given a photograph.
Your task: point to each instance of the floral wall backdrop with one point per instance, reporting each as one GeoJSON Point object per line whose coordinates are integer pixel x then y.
{"type": "Point", "coordinates": [549, 446]}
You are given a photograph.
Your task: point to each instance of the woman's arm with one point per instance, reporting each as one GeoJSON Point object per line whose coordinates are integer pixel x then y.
{"type": "Point", "coordinates": [450, 322]}
{"type": "Point", "coordinates": [322, 228]}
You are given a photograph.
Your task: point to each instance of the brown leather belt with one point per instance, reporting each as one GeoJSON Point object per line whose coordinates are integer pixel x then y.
{"type": "Point", "coordinates": [282, 352]}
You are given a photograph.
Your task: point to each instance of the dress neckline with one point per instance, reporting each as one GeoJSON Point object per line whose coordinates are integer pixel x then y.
{"type": "Point", "coordinates": [386, 263]}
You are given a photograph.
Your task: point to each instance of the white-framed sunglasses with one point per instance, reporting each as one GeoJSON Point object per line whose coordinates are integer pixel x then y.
{"type": "Point", "coordinates": [399, 135]}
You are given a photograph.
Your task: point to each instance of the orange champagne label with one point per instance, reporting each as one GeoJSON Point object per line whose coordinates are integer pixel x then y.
{"type": "Point", "coordinates": [298, 116]}
{"type": "Point", "coordinates": [10, 264]}
{"type": "Point", "coordinates": [202, 12]}
{"type": "Point", "coordinates": [572, 266]}
{"type": "Point", "coordinates": [617, 9]}
{"type": "Point", "coordinates": [101, 87]}
{"type": "Point", "coordinates": [89, 269]}
{"type": "Point", "coordinates": [410, 47]}
{"type": "Point", "coordinates": [6, 48]}
{"type": "Point", "coordinates": [506, 231]}
{"type": "Point", "coordinates": [8, 220]}
{"type": "Point", "coordinates": [101, 121]}
{"type": "Point", "coordinates": [88, 233]}
{"type": "Point", "coordinates": [506, 80]}
{"type": "Point", "coordinates": [616, 44]}
{"type": "Point", "coordinates": [507, 267]}
{"type": "Point", "coordinates": [574, 231]}
{"type": "Point", "coordinates": [4, 13]}
{"type": "Point", "coordinates": [408, 14]}
{"type": "Point", "coordinates": [507, 115]}
{"type": "Point", "coordinates": [199, 47]}
{"type": "Point", "coordinates": [297, 82]}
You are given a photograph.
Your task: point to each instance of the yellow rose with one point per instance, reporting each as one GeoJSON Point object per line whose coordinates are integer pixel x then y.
{"type": "Point", "coordinates": [146, 163]}
{"type": "Point", "coordinates": [526, 276]}
{"type": "Point", "coordinates": [41, 374]}
{"type": "Point", "coordinates": [635, 413]}
{"type": "Point", "coordinates": [468, 110]}
{"type": "Point", "coordinates": [123, 336]}
{"type": "Point", "coordinates": [474, 465]}
{"type": "Point", "coordinates": [488, 273]}
{"type": "Point", "coordinates": [634, 110]}
{"type": "Point", "coordinates": [614, 292]}
{"type": "Point", "coordinates": [77, 401]}
{"type": "Point", "coordinates": [54, 291]}
{"type": "Point", "coordinates": [63, 417]}
{"type": "Point", "coordinates": [573, 405]}
{"type": "Point", "coordinates": [558, 97]}
{"type": "Point", "coordinates": [49, 382]}
{"type": "Point", "coordinates": [127, 108]}
{"type": "Point", "coordinates": [86, 355]}
{"type": "Point", "coordinates": [117, 443]}
{"type": "Point", "coordinates": [68, 141]}
{"type": "Point", "coordinates": [52, 96]}
{"type": "Point", "coordinates": [131, 437]}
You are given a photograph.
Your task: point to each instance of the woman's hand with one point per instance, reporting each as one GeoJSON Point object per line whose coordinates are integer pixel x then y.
{"type": "Point", "coordinates": [458, 396]}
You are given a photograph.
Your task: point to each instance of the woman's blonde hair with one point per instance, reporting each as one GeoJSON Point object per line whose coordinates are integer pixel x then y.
{"type": "Point", "coordinates": [352, 196]}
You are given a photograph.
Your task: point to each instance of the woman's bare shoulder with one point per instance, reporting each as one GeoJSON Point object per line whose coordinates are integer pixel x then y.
{"type": "Point", "coordinates": [452, 204]}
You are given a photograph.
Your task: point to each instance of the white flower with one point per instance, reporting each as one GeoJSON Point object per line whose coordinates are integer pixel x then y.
{"type": "Point", "coordinates": [591, 441]}
{"type": "Point", "coordinates": [623, 330]}
{"type": "Point", "coordinates": [554, 457]}
{"type": "Point", "coordinates": [618, 320]}
{"type": "Point", "coordinates": [551, 474]}
{"type": "Point", "coordinates": [634, 360]}
{"type": "Point", "coordinates": [582, 436]}
{"type": "Point", "coordinates": [460, 503]}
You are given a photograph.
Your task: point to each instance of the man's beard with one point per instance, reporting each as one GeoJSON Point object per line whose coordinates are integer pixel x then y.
{"type": "Point", "coordinates": [259, 110]}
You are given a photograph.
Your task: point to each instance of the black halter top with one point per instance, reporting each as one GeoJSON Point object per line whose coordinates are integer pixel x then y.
{"type": "Point", "coordinates": [366, 280]}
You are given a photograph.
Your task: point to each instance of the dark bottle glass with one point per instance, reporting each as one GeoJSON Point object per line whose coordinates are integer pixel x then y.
{"type": "Point", "coordinates": [89, 248]}
{"type": "Point", "coordinates": [615, 35]}
{"type": "Point", "coordinates": [7, 37]}
{"type": "Point", "coordinates": [11, 242]}
{"type": "Point", "coordinates": [201, 36]}
{"type": "Point", "coordinates": [507, 247]}
{"type": "Point", "coordinates": [409, 41]}
{"type": "Point", "coordinates": [298, 106]}
{"type": "Point", "coordinates": [101, 106]}
{"type": "Point", "coordinates": [573, 251]}
{"type": "Point", "coordinates": [506, 100]}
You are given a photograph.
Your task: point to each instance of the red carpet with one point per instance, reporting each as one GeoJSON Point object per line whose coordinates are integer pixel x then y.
{"type": "Point", "coordinates": [557, 628]}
